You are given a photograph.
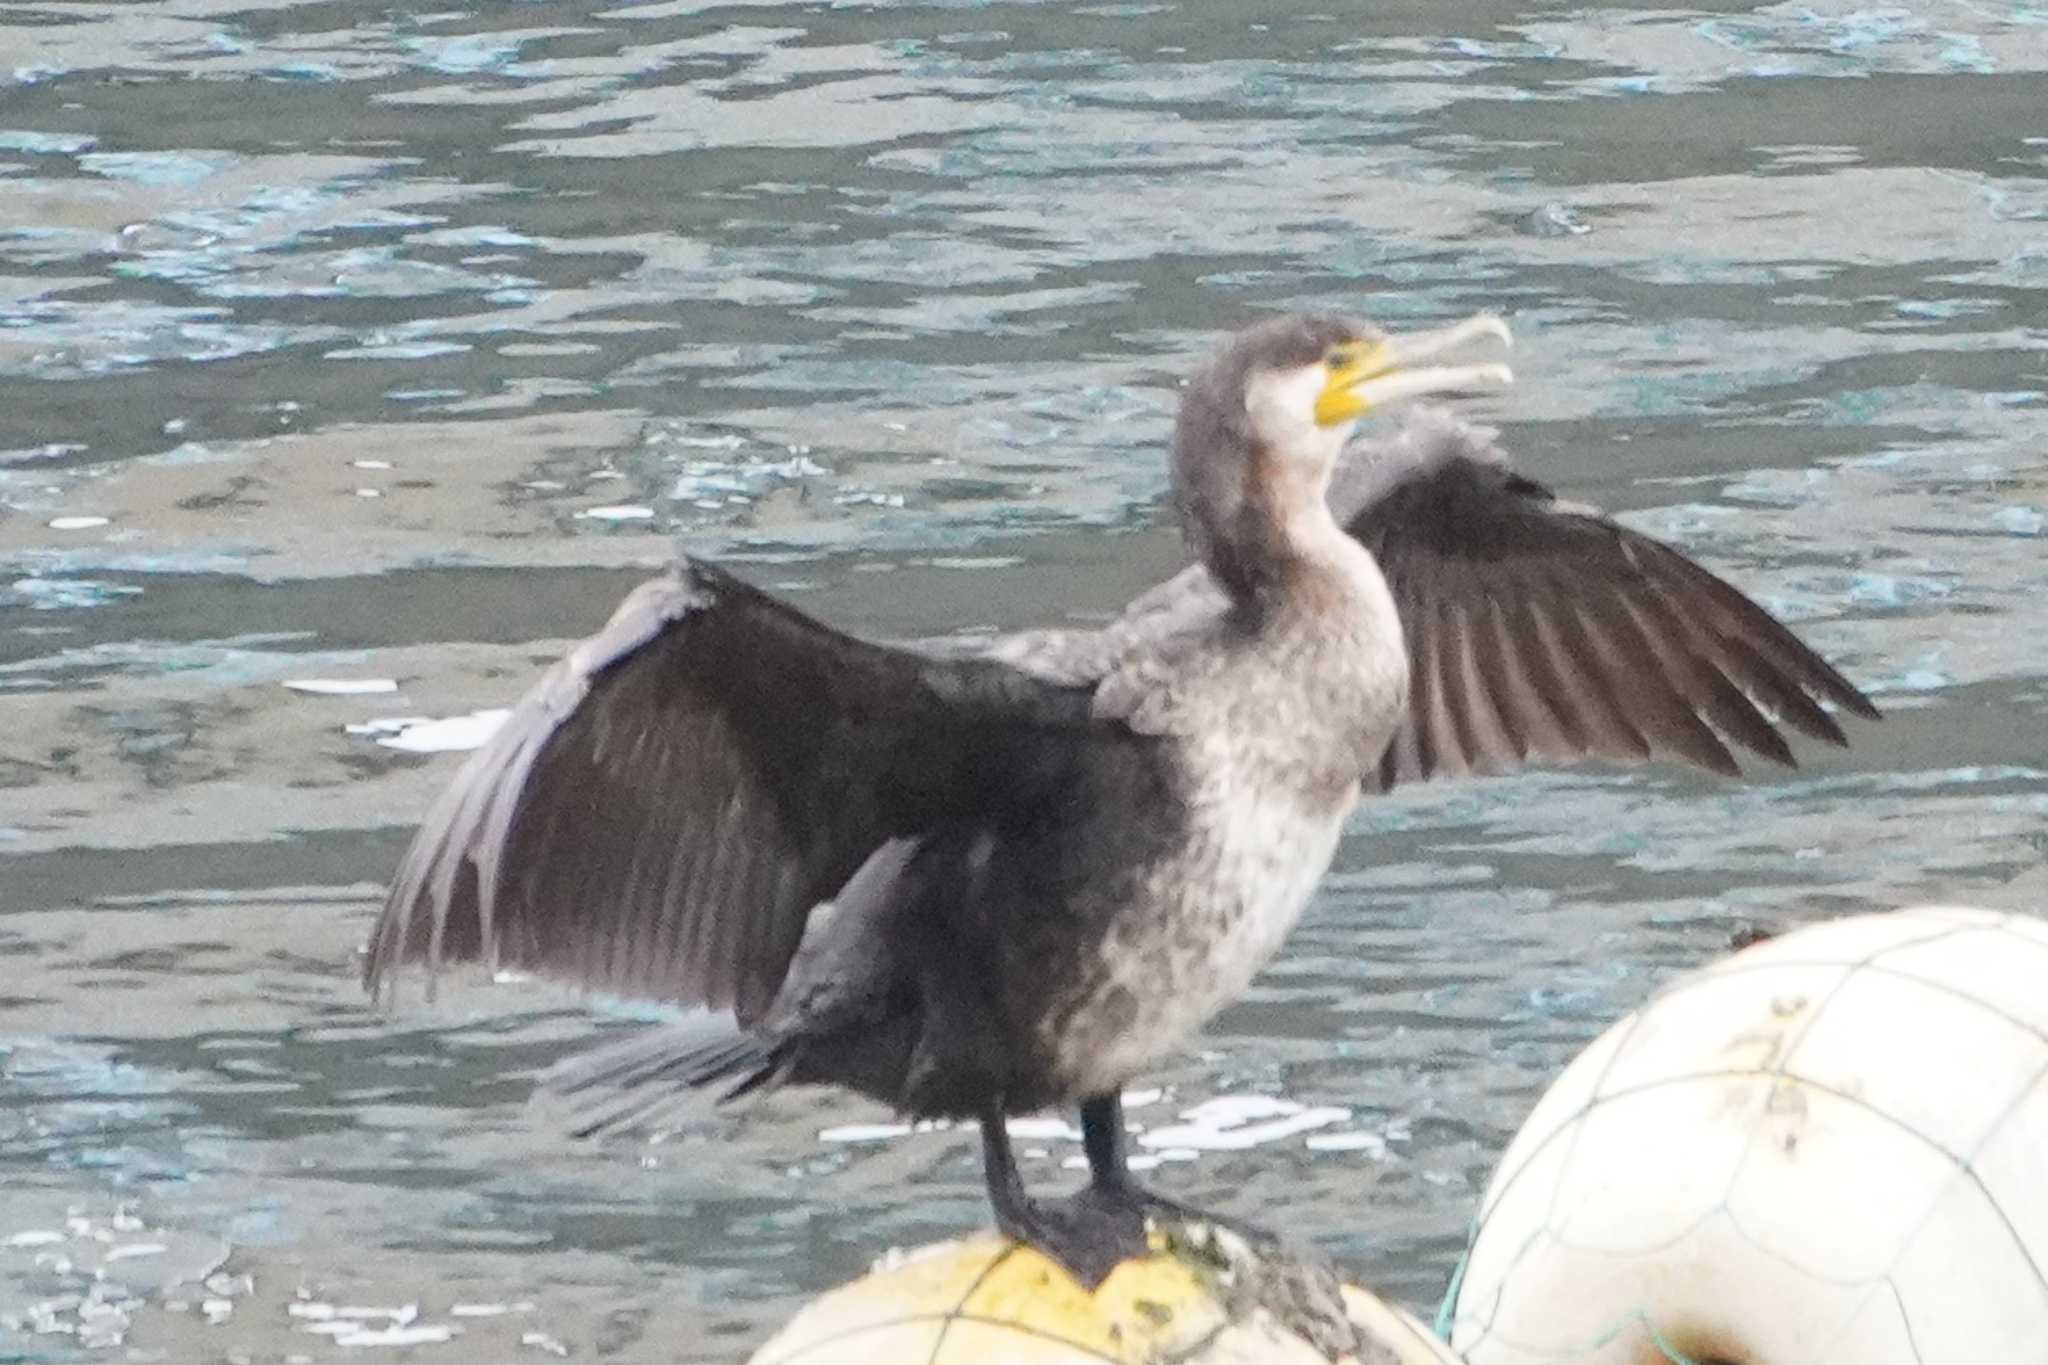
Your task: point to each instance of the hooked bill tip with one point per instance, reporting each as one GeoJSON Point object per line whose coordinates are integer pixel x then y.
{"type": "Point", "coordinates": [1493, 325]}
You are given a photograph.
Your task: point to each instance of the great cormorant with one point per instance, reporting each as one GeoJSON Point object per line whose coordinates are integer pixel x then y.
{"type": "Point", "coordinates": [973, 881]}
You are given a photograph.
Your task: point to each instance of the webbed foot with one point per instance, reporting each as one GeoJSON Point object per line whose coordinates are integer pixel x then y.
{"type": "Point", "coordinates": [1102, 1135]}
{"type": "Point", "coordinates": [1088, 1235]}
{"type": "Point", "coordinates": [1161, 1209]}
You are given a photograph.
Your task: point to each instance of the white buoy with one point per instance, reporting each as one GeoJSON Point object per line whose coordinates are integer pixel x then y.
{"type": "Point", "coordinates": [984, 1300]}
{"type": "Point", "coordinates": [1829, 1149]}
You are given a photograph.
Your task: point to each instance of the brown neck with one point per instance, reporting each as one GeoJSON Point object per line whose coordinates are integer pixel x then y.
{"type": "Point", "coordinates": [1273, 553]}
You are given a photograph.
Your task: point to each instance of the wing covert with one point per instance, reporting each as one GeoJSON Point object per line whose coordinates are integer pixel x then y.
{"type": "Point", "coordinates": [1540, 631]}
{"type": "Point", "coordinates": [661, 811]}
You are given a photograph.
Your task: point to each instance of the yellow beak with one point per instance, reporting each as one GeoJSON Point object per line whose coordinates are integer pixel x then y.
{"type": "Point", "coordinates": [1369, 374]}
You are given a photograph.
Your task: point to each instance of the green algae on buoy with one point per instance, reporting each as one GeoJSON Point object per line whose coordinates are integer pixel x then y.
{"type": "Point", "coordinates": [1203, 1297]}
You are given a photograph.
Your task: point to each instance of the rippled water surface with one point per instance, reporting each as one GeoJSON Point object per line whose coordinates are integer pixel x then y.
{"type": "Point", "coordinates": [356, 343]}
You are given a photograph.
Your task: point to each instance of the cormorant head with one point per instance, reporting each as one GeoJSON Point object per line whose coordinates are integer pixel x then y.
{"type": "Point", "coordinates": [1263, 421]}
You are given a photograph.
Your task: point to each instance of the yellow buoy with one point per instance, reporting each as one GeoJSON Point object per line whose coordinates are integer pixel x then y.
{"type": "Point", "coordinates": [1203, 1297]}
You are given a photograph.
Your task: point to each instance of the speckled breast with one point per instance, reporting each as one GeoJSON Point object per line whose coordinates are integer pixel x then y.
{"type": "Point", "coordinates": [1268, 793]}
{"type": "Point", "coordinates": [1191, 941]}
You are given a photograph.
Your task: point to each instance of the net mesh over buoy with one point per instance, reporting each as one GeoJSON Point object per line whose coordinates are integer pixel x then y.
{"type": "Point", "coordinates": [1829, 1149]}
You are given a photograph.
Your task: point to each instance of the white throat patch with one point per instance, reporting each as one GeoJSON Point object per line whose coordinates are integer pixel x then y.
{"type": "Point", "coordinates": [1282, 407]}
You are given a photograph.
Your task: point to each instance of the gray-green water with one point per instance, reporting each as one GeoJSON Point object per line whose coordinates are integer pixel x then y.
{"type": "Point", "coordinates": [350, 321]}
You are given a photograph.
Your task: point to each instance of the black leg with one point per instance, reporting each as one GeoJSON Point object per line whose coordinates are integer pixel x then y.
{"type": "Point", "coordinates": [1303, 1286]}
{"type": "Point", "coordinates": [1005, 1186]}
{"type": "Point", "coordinates": [1089, 1236]}
{"type": "Point", "coordinates": [1102, 1138]}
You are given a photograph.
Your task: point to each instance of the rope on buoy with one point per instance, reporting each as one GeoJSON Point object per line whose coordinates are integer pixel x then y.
{"type": "Point", "coordinates": [1670, 1352]}
{"type": "Point", "coordinates": [1447, 1310]}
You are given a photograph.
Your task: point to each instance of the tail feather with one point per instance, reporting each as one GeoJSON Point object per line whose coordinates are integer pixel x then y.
{"type": "Point", "coordinates": [626, 1084]}
{"type": "Point", "coordinates": [770, 1076]}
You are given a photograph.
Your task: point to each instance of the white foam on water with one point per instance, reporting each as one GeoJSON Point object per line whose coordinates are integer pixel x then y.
{"type": "Point", "coordinates": [34, 1237]}
{"type": "Point", "coordinates": [134, 1250]}
{"type": "Point", "coordinates": [864, 1132]}
{"type": "Point", "coordinates": [1372, 1144]}
{"type": "Point", "coordinates": [432, 734]}
{"type": "Point", "coordinates": [426, 1335]}
{"type": "Point", "coordinates": [342, 687]}
{"type": "Point", "coordinates": [1141, 1161]}
{"type": "Point", "coordinates": [1042, 1128]}
{"type": "Point", "coordinates": [1233, 1123]}
{"type": "Point", "coordinates": [1228, 1109]}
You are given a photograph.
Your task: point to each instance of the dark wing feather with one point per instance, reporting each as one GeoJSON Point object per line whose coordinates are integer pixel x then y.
{"type": "Point", "coordinates": [1538, 631]}
{"type": "Point", "coordinates": [660, 813]}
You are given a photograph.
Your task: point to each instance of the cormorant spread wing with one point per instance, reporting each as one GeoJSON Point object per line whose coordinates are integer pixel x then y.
{"type": "Point", "coordinates": [1537, 630]}
{"type": "Point", "coordinates": [661, 811]}
{"type": "Point", "coordinates": [1541, 630]}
